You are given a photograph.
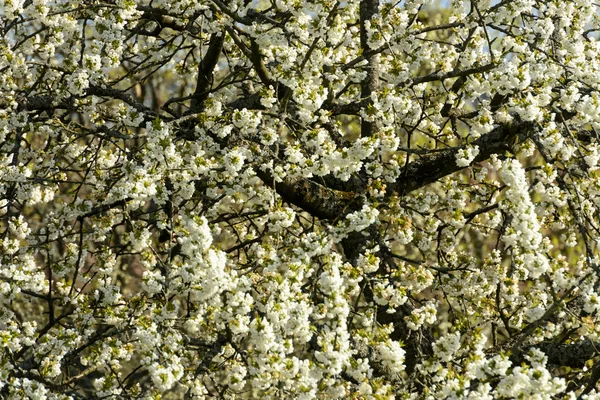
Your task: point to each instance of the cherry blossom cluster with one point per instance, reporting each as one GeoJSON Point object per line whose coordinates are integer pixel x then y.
{"type": "Point", "coordinates": [299, 199]}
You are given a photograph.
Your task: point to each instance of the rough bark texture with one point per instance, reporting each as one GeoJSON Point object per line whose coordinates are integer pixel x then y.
{"type": "Point", "coordinates": [432, 167]}
{"type": "Point", "coordinates": [316, 199]}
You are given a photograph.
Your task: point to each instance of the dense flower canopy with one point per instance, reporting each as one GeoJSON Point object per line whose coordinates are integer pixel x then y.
{"type": "Point", "coordinates": [367, 199]}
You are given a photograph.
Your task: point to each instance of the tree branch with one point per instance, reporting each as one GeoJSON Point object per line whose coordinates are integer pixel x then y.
{"type": "Point", "coordinates": [318, 200]}
{"type": "Point", "coordinates": [572, 355]}
{"type": "Point", "coordinates": [432, 167]}
{"type": "Point", "coordinates": [333, 201]}
{"type": "Point", "coordinates": [206, 70]}
{"type": "Point", "coordinates": [120, 95]}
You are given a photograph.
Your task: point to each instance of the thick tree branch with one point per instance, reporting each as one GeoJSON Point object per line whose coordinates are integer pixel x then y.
{"type": "Point", "coordinates": [572, 355]}
{"type": "Point", "coordinates": [259, 65]}
{"type": "Point", "coordinates": [206, 70]}
{"type": "Point", "coordinates": [43, 103]}
{"type": "Point", "coordinates": [335, 200]}
{"type": "Point", "coordinates": [316, 199]}
{"type": "Point", "coordinates": [432, 167]}
{"type": "Point", "coordinates": [163, 19]}
{"type": "Point", "coordinates": [120, 95]}
{"type": "Point", "coordinates": [47, 102]}
{"type": "Point", "coordinates": [251, 15]}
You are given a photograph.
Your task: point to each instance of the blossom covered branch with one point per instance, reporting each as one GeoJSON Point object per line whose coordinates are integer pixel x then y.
{"type": "Point", "coordinates": [299, 199]}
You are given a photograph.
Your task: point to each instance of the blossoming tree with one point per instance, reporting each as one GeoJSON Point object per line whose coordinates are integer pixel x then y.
{"type": "Point", "coordinates": [299, 199]}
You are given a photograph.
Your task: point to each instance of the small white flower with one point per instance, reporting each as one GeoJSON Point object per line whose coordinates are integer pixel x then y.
{"type": "Point", "coordinates": [464, 157]}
